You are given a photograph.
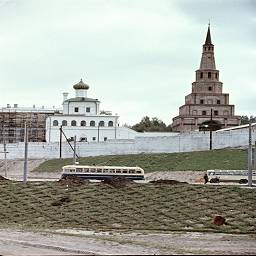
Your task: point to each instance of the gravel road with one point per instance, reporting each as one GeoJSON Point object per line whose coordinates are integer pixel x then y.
{"type": "Point", "coordinates": [77, 242]}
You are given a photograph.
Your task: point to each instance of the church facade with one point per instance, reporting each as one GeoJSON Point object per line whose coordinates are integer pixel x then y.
{"type": "Point", "coordinates": [82, 117]}
{"type": "Point", "coordinates": [207, 106]}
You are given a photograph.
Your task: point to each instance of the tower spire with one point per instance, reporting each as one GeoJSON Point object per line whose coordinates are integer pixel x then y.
{"type": "Point", "coordinates": [208, 37]}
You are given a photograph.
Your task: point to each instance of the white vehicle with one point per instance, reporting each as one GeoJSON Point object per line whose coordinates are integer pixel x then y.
{"type": "Point", "coordinates": [240, 176]}
{"type": "Point", "coordinates": [102, 172]}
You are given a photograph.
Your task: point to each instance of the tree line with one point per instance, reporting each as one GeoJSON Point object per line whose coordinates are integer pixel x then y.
{"type": "Point", "coordinates": [154, 124]}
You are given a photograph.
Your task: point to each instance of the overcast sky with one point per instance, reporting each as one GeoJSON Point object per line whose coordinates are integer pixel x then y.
{"type": "Point", "coordinates": [138, 56]}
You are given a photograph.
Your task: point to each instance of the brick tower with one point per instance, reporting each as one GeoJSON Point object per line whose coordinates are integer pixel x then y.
{"type": "Point", "coordinates": [206, 105]}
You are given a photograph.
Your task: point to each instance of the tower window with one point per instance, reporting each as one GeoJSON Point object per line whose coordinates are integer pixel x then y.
{"type": "Point", "coordinates": [204, 113]}
{"type": "Point", "coordinates": [201, 101]}
{"type": "Point", "coordinates": [209, 48]}
{"type": "Point", "coordinates": [201, 75]}
{"type": "Point", "coordinates": [216, 75]}
{"type": "Point", "coordinates": [209, 74]}
{"type": "Point", "coordinates": [209, 88]}
{"type": "Point", "coordinates": [218, 101]}
{"type": "Point", "coordinates": [76, 109]}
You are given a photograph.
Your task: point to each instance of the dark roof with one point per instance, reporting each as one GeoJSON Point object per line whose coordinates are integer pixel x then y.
{"type": "Point", "coordinates": [81, 85]}
{"type": "Point", "coordinates": [208, 39]}
{"type": "Point", "coordinates": [81, 99]}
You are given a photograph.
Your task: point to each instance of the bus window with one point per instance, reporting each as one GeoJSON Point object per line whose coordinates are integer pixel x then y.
{"type": "Point", "coordinates": [92, 170]}
{"type": "Point", "coordinates": [118, 171]}
{"type": "Point", "coordinates": [131, 171]}
{"type": "Point", "coordinates": [125, 171]}
{"type": "Point", "coordinates": [99, 170]}
{"type": "Point", "coordinates": [79, 169]}
{"type": "Point", "coordinates": [138, 171]}
{"type": "Point", "coordinates": [86, 169]}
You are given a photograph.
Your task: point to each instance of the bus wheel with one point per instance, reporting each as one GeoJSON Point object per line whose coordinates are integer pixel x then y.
{"type": "Point", "coordinates": [214, 180]}
{"type": "Point", "coordinates": [243, 181]}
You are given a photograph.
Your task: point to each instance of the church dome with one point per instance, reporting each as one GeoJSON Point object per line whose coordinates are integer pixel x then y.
{"type": "Point", "coordinates": [81, 85]}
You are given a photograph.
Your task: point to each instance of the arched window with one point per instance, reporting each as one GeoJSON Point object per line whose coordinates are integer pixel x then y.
{"type": "Point", "coordinates": [83, 123]}
{"type": "Point", "coordinates": [201, 74]}
{"type": "Point", "coordinates": [64, 123]}
{"type": "Point", "coordinates": [55, 123]}
{"type": "Point", "coordinates": [110, 123]}
{"type": "Point", "coordinates": [73, 123]}
{"type": "Point", "coordinates": [101, 123]}
{"type": "Point", "coordinates": [204, 113]}
{"type": "Point", "coordinates": [92, 123]}
{"type": "Point", "coordinates": [209, 74]}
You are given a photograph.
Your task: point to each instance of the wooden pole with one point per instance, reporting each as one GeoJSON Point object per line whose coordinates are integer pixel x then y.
{"type": "Point", "coordinates": [74, 155]}
{"type": "Point", "coordinates": [250, 156]}
{"type": "Point", "coordinates": [60, 141]}
{"type": "Point", "coordinates": [25, 174]}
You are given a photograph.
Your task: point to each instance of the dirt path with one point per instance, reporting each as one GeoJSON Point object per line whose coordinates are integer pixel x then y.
{"type": "Point", "coordinates": [15, 172]}
{"type": "Point", "coordinates": [67, 242]}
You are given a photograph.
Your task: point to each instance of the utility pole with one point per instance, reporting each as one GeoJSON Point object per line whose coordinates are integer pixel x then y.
{"type": "Point", "coordinates": [211, 131]}
{"type": "Point", "coordinates": [254, 166]}
{"type": "Point", "coordinates": [5, 159]}
{"type": "Point", "coordinates": [74, 155]}
{"type": "Point", "coordinates": [250, 155]}
{"type": "Point", "coordinates": [98, 132]}
{"type": "Point", "coordinates": [60, 141]}
{"type": "Point", "coordinates": [25, 174]}
{"type": "Point", "coordinates": [5, 152]}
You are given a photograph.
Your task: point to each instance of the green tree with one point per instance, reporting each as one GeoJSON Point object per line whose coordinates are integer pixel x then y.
{"type": "Point", "coordinates": [246, 119]}
{"type": "Point", "coordinates": [151, 125]}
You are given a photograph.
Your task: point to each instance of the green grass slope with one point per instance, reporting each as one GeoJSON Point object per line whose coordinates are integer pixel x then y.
{"type": "Point", "coordinates": [180, 207]}
{"type": "Point", "coordinates": [200, 161]}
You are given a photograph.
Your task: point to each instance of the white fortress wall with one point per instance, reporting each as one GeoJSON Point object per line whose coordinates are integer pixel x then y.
{"type": "Point", "coordinates": [185, 142]}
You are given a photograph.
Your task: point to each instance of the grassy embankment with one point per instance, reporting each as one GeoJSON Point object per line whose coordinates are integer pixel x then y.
{"type": "Point", "coordinates": [180, 207]}
{"type": "Point", "coordinates": [199, 161]}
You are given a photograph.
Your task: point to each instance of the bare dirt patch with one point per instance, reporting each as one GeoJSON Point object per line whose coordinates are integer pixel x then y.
{"type": "Point", "coordinates": [73, 181]}
{"type": "Point", "coordinates": [118, 182]}
{"type": "Point", "coordinates": [167, 182]}
{"type": "Point", "coordinates": [182, 176]}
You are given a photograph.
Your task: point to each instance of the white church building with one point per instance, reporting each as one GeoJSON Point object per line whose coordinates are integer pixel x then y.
{"type": "Point", "coordinates": [82, 117]}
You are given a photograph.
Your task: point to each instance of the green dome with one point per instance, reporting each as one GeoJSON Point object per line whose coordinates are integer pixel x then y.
{"type": "Point", "coordinates": [81, 85]}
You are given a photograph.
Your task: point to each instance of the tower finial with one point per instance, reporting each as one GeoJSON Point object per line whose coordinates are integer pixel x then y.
{"type": "Point", "coordinates": [208, 37]}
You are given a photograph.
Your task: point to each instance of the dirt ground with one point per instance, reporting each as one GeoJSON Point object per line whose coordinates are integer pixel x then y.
{"type": "Point", "coordinates": [15, 171]}
{"type": "Point", "coordinates": [77, 242]}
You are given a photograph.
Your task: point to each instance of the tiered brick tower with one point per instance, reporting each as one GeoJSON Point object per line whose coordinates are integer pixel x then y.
{"type": "Point", "coordinates": [206, 104]}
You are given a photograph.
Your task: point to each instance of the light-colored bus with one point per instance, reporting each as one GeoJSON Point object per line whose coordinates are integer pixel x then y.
{"type": "Point", "coordinates": [240, 176]}
{"type": "Point", "coordinates": [94, 172]}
